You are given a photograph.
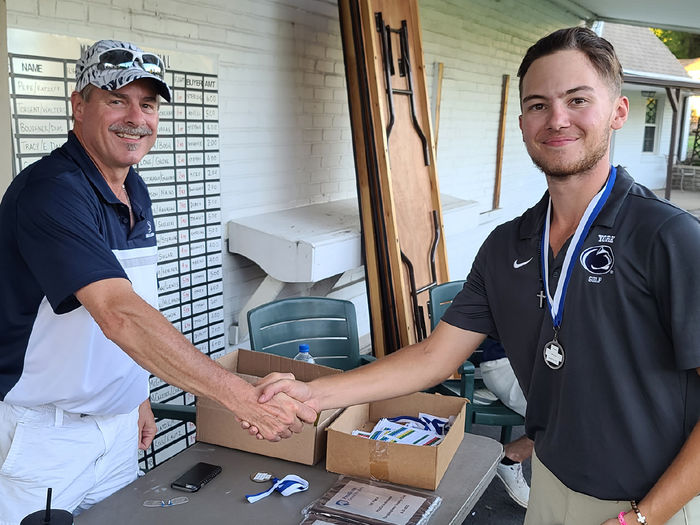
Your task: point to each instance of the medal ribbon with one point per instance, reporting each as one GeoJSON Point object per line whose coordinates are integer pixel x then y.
{"type": "Point", "coordinates": [556, 303]}
{"type": "Point", "coordinates": [286, 486]}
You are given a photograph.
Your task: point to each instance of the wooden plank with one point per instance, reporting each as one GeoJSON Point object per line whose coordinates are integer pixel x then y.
{"type": "Point", "coordinates": [439, 73]}
{"type": "Point", "coordinates": [384, 328]}
{"type": "Point", "coordinates": [377, 91]}
{"type": "Point", "coordinates": [501, 141]}
{"type": "Point", "coordinates": [414, 188]}
{"type": "Point", "coordinates": [673, 95]}
{"type": "Point", "coordinates": [393, 177]}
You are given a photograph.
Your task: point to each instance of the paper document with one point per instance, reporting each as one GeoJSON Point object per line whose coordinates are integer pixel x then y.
{"type": "Point", "coordinates": [387, 505]}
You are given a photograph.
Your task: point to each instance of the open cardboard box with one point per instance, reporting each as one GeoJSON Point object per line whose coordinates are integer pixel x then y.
{"type": "Point", "coordinates": [417, 466]}
{"type": "Point", "coordinates": [217, 425]}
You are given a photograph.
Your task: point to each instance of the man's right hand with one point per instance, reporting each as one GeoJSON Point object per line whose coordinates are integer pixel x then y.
{"type": "Point", "coordinates": [276, 383]}
{"type": "Point", "coordinates": [274, 386]}
{"type": "Point", "coordinates": [276, 419]}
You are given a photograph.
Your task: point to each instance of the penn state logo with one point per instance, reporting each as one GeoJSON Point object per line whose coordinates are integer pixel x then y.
{"type": "Point", "coordinates": [598, 260]}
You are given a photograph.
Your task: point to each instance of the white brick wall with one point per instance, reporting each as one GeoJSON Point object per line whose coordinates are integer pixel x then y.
{"type": "Point", "coordinates": [478, 44]}
{"type": "Point", "coordinates": [284, 125]}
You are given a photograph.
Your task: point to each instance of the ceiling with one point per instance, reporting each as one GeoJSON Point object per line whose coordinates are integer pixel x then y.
{"type": "Point", "coordinates": [679, 15]}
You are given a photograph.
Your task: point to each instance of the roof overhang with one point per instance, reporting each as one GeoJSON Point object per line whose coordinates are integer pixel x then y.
{"type": "Point", "coordinates": [656, 79]}
{"type": "Point", "coordinates": [679, 15]}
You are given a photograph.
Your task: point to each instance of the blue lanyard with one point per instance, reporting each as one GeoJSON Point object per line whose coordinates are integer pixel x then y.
{"type": "Point", "coordinates": [288, 485]}
{"type": "Point", "coordinates": [556, 303]}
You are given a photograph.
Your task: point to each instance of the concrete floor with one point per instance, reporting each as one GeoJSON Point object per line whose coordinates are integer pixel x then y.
{"type": "Point", "coordinates": [495, 507]}
{"type": "Point", "coordinates": [688, 200]}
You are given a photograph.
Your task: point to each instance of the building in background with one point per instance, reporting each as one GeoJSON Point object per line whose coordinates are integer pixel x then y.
{"type": "Point", "coordinates": [642, 145]}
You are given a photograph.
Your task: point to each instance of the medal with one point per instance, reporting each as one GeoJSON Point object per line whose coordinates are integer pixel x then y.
{"type": "Point", "coordinates": [554, 354]}
{"type": "Point", "coordinates": [553, 351]}
{"type": "Point", "coordinates": [261, 477]}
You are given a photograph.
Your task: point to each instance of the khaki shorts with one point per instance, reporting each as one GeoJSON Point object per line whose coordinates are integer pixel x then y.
{"type": "Point", "coordinates": [552, 503]}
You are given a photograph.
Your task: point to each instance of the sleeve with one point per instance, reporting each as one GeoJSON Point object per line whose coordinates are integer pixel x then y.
{"type": "Point", "coordinates": [470, 308]}
{"type": "Point", "coordinates": [675, 282]}
{"type": "Point", "coordinates": [60, 236]}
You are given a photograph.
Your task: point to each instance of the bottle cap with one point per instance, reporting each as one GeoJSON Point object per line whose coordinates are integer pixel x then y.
{"type": "Point", "coordinates": [303, 347]}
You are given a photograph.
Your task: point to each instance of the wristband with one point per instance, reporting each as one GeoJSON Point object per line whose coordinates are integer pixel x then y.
{"type": "Point", "coordinates": [640, 517]}
{"type": "Point", "coordinates": [621, 518]}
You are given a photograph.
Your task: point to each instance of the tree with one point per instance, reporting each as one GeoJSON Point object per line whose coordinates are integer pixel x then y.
{"type": "Point", "coordinates": [682, 45]}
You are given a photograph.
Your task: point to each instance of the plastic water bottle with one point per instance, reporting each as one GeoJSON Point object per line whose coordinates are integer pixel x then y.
{"type": "Point", "coordinates": [304, 354]}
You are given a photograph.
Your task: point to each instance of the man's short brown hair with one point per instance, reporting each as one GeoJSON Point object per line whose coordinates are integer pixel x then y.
{"type": "Point", "coordinates": [599, 51]}
{"type": "Point", "coordinates": [85, 92]}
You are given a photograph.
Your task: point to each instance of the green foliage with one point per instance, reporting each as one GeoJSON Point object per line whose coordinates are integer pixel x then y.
{"type": "Point", "coordinates": [682, 45]}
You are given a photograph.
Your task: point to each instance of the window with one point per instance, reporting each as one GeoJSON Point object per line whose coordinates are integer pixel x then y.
{"type": "Point", "coordinates": [650, 117]}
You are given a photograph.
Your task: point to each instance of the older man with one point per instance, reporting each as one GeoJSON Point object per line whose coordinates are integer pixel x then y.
{"type": "Point", "coordinates": [78, 328]}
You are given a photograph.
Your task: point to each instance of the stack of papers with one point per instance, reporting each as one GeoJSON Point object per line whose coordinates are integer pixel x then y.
{"type": "Point", "coordinates": [425, 430]}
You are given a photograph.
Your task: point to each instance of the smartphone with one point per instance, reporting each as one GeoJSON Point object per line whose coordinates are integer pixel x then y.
{"type": "Point", "coordinates": [196, 477]}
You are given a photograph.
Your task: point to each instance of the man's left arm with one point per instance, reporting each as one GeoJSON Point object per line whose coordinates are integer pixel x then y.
{"type": "Point", "coordinates": [677, 486]}
{"type": "Point", "coordinates": [147, 425]}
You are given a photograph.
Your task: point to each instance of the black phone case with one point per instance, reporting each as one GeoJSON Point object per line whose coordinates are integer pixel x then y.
{"type": "Point", "coordinates": [196, 477]}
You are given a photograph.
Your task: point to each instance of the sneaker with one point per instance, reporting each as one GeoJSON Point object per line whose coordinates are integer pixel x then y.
{"type": "Point", "coordinates": [483, 396]}
{"type": "Point", "coordinates": [516, 486]}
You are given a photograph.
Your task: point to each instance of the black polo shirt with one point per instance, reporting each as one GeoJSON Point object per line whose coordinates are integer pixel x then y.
{"type": "Point", "coordinates": [611, 420]}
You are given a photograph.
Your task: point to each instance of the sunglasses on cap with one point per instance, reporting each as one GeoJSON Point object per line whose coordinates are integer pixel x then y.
{"type": "Point", "coordinates": [120, 58]}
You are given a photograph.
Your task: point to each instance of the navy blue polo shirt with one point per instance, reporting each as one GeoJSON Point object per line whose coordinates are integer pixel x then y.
{"type": "Point", "coordinates": [62, 228]}
{"type": "Point", "coordinates": [611, 420]}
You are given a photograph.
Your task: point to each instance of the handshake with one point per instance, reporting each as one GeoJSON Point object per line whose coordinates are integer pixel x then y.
{"type": "Point", "coordinates": [277, 406]}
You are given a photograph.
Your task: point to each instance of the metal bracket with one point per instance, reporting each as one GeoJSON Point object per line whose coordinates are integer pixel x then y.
{"type": "Point", "coordinates": [418, 317]}
{"type": "Point", "coordinates": [404, 63]}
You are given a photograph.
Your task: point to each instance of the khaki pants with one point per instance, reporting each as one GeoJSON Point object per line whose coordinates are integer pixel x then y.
{"type": "Point", "coordinates": [552, 503]}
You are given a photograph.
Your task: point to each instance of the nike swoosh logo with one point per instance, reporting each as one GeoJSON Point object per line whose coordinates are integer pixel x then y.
{"type": "Point", "coordinates": [517, 264]}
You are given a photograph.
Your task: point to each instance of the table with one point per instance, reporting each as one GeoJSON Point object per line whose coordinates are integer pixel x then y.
{"type": "Point", "coordinates": [222, 500]}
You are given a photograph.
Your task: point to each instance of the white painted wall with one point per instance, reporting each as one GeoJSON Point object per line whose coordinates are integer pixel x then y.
{"type": "Point", "coordinates": [479, 42]}
{"type": "Point", "coordinates": [5, 126]}
{"type": "Point", "coordinates": [648, 169]}
{"type": "Point", "coordinates": [284, 125]}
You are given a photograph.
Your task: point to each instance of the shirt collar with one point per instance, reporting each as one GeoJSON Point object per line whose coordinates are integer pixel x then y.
{"type": "Point", "coordinates": [75, 150]}
{"type": "Point", "coordinates": [533, 219]}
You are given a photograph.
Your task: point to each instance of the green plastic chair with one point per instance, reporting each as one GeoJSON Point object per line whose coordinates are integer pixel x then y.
{"type": "Point", "coordinates": [328, 326]}
{"type": "Point", "coordinates": [494, 414]}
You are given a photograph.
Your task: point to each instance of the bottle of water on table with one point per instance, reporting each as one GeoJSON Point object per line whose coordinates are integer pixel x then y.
{"type": "Point", "coordinates": [304, 354]}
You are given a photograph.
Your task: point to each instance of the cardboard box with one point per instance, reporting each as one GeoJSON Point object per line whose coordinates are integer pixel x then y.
{"type": "Point", "coordinates": [217, 425]}
{"type": "Point", "coordinates": [417, 466]}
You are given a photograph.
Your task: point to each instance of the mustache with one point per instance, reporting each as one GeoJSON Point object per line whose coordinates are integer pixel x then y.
{"type": "Point", "coordinates": [118, 128]}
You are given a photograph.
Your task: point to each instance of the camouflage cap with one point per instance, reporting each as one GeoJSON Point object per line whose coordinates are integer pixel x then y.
{"type": "Point", "coordinates": [93, 68]}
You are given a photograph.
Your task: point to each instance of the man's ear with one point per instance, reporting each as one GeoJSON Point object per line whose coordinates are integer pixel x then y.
{"type": "Point", "coordinates": [622, 110]}
{"type": "Point", "coordinates": [77, 102]}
